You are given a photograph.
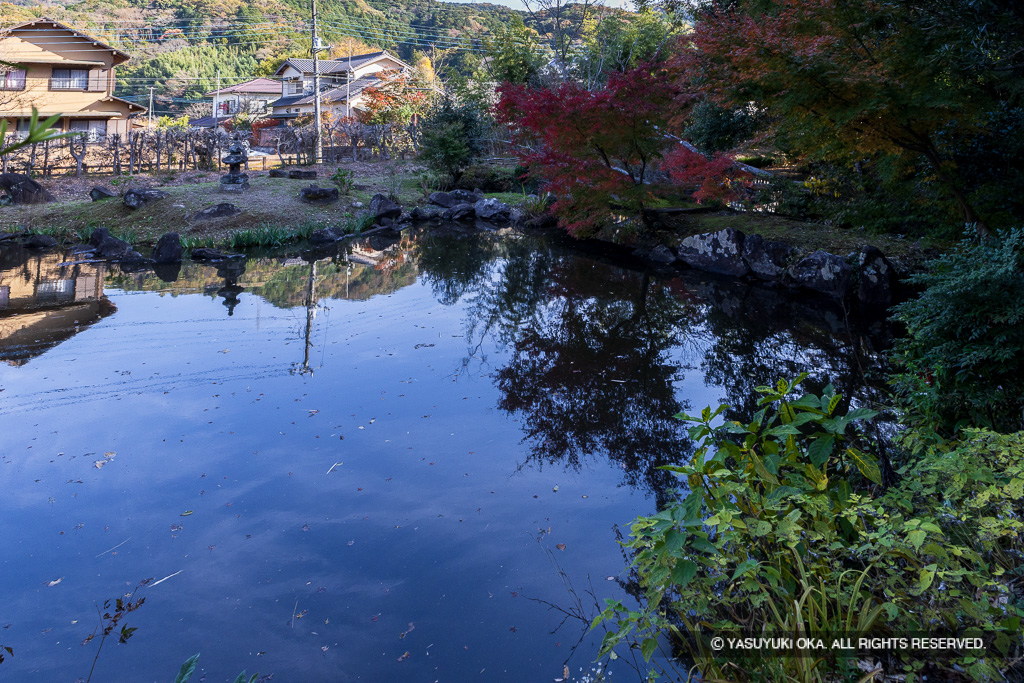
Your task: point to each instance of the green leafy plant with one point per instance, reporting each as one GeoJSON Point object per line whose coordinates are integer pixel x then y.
{"type": "Point", "coordinates": [430, 182]}
{"type": "Point", "coordinates": [344, 180]}
{"type": "Point", "coordinates": [452, 133]}
{"type": "Point", "coordinates": [963, 354]}
{"type": "Point", "coordinates": [393, 182]}
{"type": "Point", "coordinates": [38, 131]}
{"type": "Point", "coordinates": [785, 531]}
{"type": "Point", "coordinates": [188, 668]}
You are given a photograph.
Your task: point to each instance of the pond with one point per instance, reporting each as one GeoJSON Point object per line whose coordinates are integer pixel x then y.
{"type": "Point", "coordinates": [407, 461]}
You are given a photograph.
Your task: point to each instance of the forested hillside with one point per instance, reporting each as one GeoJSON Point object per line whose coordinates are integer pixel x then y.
{"type": "Point", "coordinates": [180, 46]}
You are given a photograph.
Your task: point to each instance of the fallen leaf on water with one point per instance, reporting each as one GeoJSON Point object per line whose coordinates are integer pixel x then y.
{"type": "Point", "coordinates": [565, 670]}
{"type": "Point", "coordinates": [405, 656]}
{"type": "Point", "coordinates": [323, 648]}
{"type": "Point", "coordinates": [53, 583]}
{"type": "Point", "coordinates": [186, 513]}
{"type": "Point", "coordinates": [99, 463]}
{"type": "Point", "coordinates": [560, 546]}
{"type": "Point", "coordinates": [555, 489]}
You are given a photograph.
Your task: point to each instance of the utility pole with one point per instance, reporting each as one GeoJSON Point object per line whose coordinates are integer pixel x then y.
{"type": "Point", "coordinates": [150, 112]}
{"type": "Point", "coordinates": [216, 104]}
{"type": "Point", "coordinates": [348, 82]}
{"type": "Point", "coordinates": [319, 154]}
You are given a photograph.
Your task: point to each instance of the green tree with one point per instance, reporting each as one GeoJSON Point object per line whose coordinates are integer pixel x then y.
{"type": "Point", "coordinates": [852, 81]}
{"type": "Point", "coordinates": [515, 54]}
{"type": "Point", "coordinates": [452, 135]}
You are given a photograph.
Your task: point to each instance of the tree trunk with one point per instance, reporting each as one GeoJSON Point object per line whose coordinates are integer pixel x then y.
{"type": "Point", "coordinates": [963, 203]}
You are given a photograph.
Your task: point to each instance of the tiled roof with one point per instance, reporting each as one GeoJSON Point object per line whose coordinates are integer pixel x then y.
{"type": "Point", "coordinates": [333, 95]}
{"type": "Point", "coordinates": [256, 85]}
{"type": "Point", "coordinates": [329, 66]}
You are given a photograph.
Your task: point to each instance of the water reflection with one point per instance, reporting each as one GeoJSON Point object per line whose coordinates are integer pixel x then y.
{"type": "Point", "coordinates": [377, 433]}
{"type": "Point", "coordinates": [45, 300]}
{"type": "Point", "coordinates": [596, 352]}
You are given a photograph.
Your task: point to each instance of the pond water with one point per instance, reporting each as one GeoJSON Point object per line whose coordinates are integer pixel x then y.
{"type": "Point", "coordinates": [405, 462]}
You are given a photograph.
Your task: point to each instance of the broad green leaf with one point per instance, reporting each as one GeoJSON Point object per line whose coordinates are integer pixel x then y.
{"type": "Point", "coordinates": [861, 414]}
{"type": "Point", "coordinates": [187, 669]}
{"type": "Point", "coordinates": [867, 464]}
{"type": "Point", "coordinates": [916, 538]}
{"type": "Point", "coordinates": [683, 573]}
{"type": "Point", "coordinates": [647, 647]}
{"type": "Point", "coordinates": [744, 567]}
{"type": "Point", "coordinates": [926, 576]}
{"type": "Point", "coordinates": [820, 450]}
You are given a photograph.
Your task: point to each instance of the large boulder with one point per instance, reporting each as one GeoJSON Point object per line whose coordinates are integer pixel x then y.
{"type": "Point", "coordinates": [139, 197]}
{"type": "Point", "coordinates": [824, 273]}
{"type": "Point", "coordinates": [382, 207]}
{"type": "Point", "coordinates": [662, 254]}
{"type": "Point", "coordinates": [24, 190]}
{"type": "Point", "coordinates": [40, 242]}
{"type": "Point", "coordinates": [716, 252]}
{"type": "Point", "coordinates": [297, 174]}
{"type": "Point", "coordinates": [222, 210]}
{"type": "Point", "coordinates": [442, 199]}
{"type": "Point", "coordinates": [876, 278]}
{"type": "Point", "coordinates": [767, 259]}
{"type": "Point", "coordinates": [99, 193]}
{"type": "Point", "coordinates": [167, 249]}
{"type": "Point", "coordinates": [461, 212]}
{"type": "Point", "coordinates": [326, 236]}
{"type": "Point", "coordinates": [106, 246]}
{"type": "Point", "coordinates": [319, 195]}
{"type": "Point", "coordinates": [492, 210]}
{"type": "Point", "coordinates": [426, 213]}
{"type": "Point", "coordinates": [466, 196]}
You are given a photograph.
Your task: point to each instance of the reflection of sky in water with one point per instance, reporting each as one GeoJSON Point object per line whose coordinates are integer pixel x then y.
{"type": "Point", "coordinates": [429, 517]}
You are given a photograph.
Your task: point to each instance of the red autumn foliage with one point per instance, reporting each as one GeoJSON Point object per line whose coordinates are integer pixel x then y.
{"type": "Point", "coordinates": [597, 150]}
{"type": "Point", "coordinates": [715, 178]}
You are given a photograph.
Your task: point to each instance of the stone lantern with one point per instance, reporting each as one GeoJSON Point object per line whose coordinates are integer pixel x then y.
{"type": "Point", "coordinates": [234, 180]}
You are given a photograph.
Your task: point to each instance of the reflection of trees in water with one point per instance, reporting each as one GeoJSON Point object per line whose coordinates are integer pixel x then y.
{"type": "Point", "coordinates": [453, 262]}
{"type": "Point", "coordinates": [757, 336]}
{"type": "Point", "coordinates": [595, 350]}
{"type": "Point", "coordinates": [590, 368]}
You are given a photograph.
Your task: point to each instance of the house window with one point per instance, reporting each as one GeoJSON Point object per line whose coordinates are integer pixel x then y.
{"type": "Point", "coordinates": [94, 129]}
{"type": "Point", "coordinates": [69, 79]}
{"type": "Point", "coordinates": [12, 80]}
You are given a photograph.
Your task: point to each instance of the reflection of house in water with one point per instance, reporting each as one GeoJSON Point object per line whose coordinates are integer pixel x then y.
{"type": "Point", "coordinates": [43, 303]}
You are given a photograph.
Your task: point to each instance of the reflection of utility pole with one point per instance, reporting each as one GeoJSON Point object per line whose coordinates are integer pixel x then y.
{"type": "Point", "coordinates": [310, 314]}
{"type": "Point", "coordinates": [348, 82]}
{"type": "Point", "coordinates": [150, 122]}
